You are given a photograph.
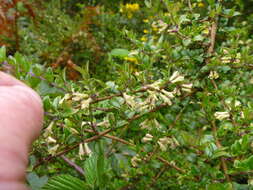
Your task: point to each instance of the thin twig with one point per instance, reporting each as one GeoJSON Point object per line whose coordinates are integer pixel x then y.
{"type": "Point", "coordinates": [213, 32]}
{"type": "Point", "coordinates": [177, 118]}
{"type": "Point", "coordinates": [72, 164]}
{"type": "Point", "coordinates": [170, 164]}
{"type": "Point", "coordinates": [210, 51]}
{"type": "Point", "coordinates": [225, 105]}
{"type": "Point", "coordinates": [73, 147]}
{"type": "Point", "coordinates": [150, 156]}
{"type": "Point", "coordinates": [158, 175]}
{"type": "Point", "coordinates": [218, 144]}
{"type": "Point", "coordinates": [113, 138]}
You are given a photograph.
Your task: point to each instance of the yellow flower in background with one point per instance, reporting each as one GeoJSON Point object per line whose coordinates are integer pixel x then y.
{"type": "Point", "coordinates": [145, 20]}
{"type": "Point", "coordinates": [131, 59]}
{"type": "Point", "coordinates": [129, 15]}
{"type": "Point", "coordinates": [129, 9]}
{"type": "Point", "coordinates": [145, 31]}
{"type": "Point", "coordinates": [155, 29]}
{"type": "Point", "coordinates": [167, 14]}
{"type": "Point", "coordinates": [144, 38]}
{"type": "Point", "coordinates": [201, 5]}
{"type": "Point", "coordinates": [205, 31]}
{"type": "Point", "coordinates": [132, 7]}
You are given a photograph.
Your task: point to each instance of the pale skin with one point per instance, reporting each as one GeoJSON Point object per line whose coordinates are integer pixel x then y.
{"type": "Point", "coordinates": [21, 118]}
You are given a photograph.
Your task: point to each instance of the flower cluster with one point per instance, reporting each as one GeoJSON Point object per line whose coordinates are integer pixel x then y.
{"type": "Point", "coordinates": [129, 9]}
{"type": "Point", "coordinates": [84, 99]}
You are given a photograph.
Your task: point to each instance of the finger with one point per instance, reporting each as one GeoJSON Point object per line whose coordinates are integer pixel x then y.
{"type": "Point", "coordinates": [13, 186]}
{"type": "Point", "coordinates": [8, 80]}
{"type": "Point", "coordinates": [28, 111]}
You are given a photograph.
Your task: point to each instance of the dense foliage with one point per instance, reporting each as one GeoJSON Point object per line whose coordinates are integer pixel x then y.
{"type": "Point", "coordinates": [138, 94]}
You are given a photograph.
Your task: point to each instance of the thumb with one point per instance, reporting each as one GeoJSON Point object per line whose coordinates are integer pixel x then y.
{"type": "Point", "coordinates": [21, 117]}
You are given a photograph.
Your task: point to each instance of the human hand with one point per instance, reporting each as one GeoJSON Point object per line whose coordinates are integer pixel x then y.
{"type": "Point", "coordinates": [21, 117]}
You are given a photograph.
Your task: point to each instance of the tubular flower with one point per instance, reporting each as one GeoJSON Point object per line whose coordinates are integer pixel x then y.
{"type": "Point", "coordinates": [87, 150]}
{"type": "Point", "coordinates": [145, 125]}
{"type": "Point", "coordinates": [213, 75]}
{"type": "Point", "coordinates": [221, 115]}
{"type": "Point", "coordinates": [85, 103]}
{"type": "Point", "coordinates": [163, 143]}
{"type": "Point", "coordinates": [166, 99]}
{"type": "Point", "coordinates": [156, 85]}
{"type": "Point", "coordinates": [79, 96]}
{"type": "Point", "coordinates": [50, 140]}
{"type": "Point", "coordinates": [129, 100]}
{"type": "Point", "coordinates": [168, 94]}
{"type": "Point", "coordinates": [49, 129]}
{"type": "Point", "coordinates": [135, 160]}
{"type": "Point", "coordinates": [81, 152]}
{"type": "Point", "coordinates": [176, 77]}
{"type": "Point", "coordinates": [66, 97]}
{"type": "Point", "coordinates": [147, 138]}
{"type": "Point", "coordinates": [152, 98]}
{"type": "Point", "coordinates": [73, 131]}
{"type": "Point", "coordinates": [53, 150]}
{"type": "Point", "coordinates": [187, 87]}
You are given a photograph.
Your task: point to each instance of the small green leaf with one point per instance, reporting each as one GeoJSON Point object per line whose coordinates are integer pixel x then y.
{"type": "Point", "coordinates": [35, 181]}
{"type": "Point", "coordinates": [121, 53]}
{"type": "Point", "coordinates": [2, 54]}
{"type": "Point", "coordinates": [65, 182]}
{"type": "Point", "coordinates": [90, 168]}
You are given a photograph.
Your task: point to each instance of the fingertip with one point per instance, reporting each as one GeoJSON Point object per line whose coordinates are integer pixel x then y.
{"type": "Point", "coordinates": [8, 80]}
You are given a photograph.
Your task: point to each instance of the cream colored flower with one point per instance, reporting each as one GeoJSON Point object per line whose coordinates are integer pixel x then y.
{"type": "Point", "coordinates": [156, 124]}
{"type": "Point", "coordinates": [187, 87]}
{"type": "Point", "coordinates": [48, 130]}
{"type": "Point", "coordinates": [163, 143]}
{"type": "Point", "coordinates": [81, 152]}
{"type": "Point", "coordinates": [79, 96]}
{"type": "Point", "coordinates": [168, 94]}
{"type": "Point", "coordinates": [176, 77]}
{"type": "Point", "coordinates": [221, 115]}
{"type": "Point", "coordinates": [129, 100]}
{"type": "Point", "coordinates": [86, 103]}
{"type": "Point", "coordinates": [73, 131]}
{"type": "Point", "coordinates": [145, 124]}
{"type": "Point", "coordinates": [105, 123]}
{"type": "Point", "coordinates": [87, 149]}
{"type": "Point", "coordinates": [66, 97]}
{"type": "Point", "coordinates": [213, 75]}
{"type": "Point", "coordinates": [156, 85]}
{"type": "Point", "coordinates": [177, 92]}
{"type": "Point", "coordinates": [242, 115]}
{"type": "Point", "coordinates": [237, 103]}
{"type": "Point", "coordinates": [166, 99]}
{"type": "Point", "coordinates": [50, 140]}
{"type": "Point", "coordinates": [53, 150]}
{"type": "Point", "coordinates": [230, 103]}
{"type": "Point", "coordinates": [147, 138]}
{"type": "Point", "coordinates": [135, 160]}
